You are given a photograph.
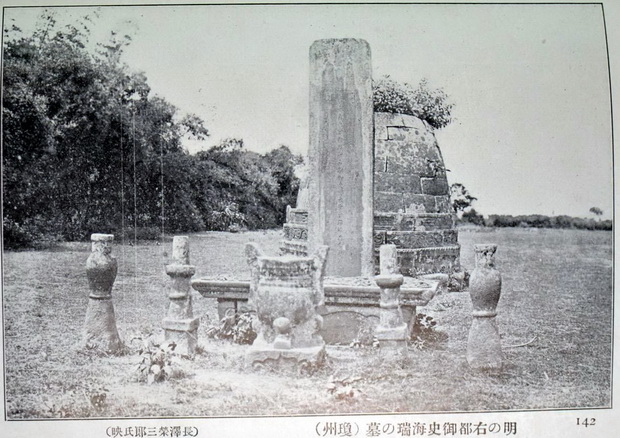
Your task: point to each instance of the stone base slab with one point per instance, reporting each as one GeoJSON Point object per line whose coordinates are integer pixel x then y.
{"type": "Point", "coordinates": [392, 333]}
{"type": "Point", "coordinates": [185, 341]}
{"type": "Point", "coordinates": [181, 325]}
{"type": "Point", "coordinates": [300, 360]}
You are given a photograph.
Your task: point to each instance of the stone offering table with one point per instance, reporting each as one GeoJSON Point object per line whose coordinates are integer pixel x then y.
{"type": "Point", "coordinates": [351, 303]}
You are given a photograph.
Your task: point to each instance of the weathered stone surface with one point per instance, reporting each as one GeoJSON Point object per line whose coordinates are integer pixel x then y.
{"type": "Point", "coordinates": [422, 218]}
{"type": "Point", "coordinates": [419, 203]}
{"type": "Point", "coordinates": [179, 325]}
{"type": "Point", "coordinates": [397, 182]}
{"type": "Point", "coordinates": [484, 350]}
{"type": "Point", "coordinates": [420, 261]}
{"type": "Point", "coordinates": [340, 201]}
{"type": "Point", "coordinates": [438, 221]}
{"type": "Point", "coordinates": [486, 281]}
{"type": "Point", "coordinates": [413, 221]}
{"type": "Point", "coordinates": [420, 159]}
{"type": "Point", "coordinates": [298, 216]}
{"type": "Point", "coordinates": [99, 329]}
{"type": "Point", "coordinates": [294, 248]}
{"type": "Point", "coordinates": [443, 204]}
{"type": "Point", "coordinates": [293, 231]}
{"type": "Point", "coordinates": [405, 202]}
{"type": "Point", "coordinates": [385, 120]}
{"type": "Point", "coordinates": [435, 186]}
{"type": "Point", "coordinates": [180, 250]}
{"type": "Point", "coordinates": [351, 324]}
{"type": "Point", "coordinates": [303, 194]}
{"type": "Point", "coordinates": [286, 291]}
{"type": "Point", "coordinates": [418, 239]}
{"type": "Point", "coordinates": [389, 201]}
{"type": "Point", "coordinates": [388, 260]}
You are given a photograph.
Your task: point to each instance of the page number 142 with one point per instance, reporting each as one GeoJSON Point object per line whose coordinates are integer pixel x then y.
{"type": "Point", "coordinates": [586, 422]}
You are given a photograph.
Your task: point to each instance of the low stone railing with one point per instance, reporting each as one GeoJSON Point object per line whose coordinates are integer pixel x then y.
{"type": "Point", "coordinates": [351, 303]}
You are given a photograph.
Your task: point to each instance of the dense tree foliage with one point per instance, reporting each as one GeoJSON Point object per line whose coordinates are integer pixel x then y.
{"type": "Point", "coordinates": [597, 211]}
{"type": "Point", "coordinates": [88, 148]}
{"type": "Point", "coordinates": [461, 199]}
{"type": "Point", "coordinates": [428, 104]}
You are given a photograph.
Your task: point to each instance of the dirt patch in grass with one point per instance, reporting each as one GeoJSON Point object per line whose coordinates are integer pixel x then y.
{"type": "Point", "coordinates": [557, 299]}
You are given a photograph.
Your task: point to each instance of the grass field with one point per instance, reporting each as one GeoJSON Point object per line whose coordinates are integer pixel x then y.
{"type": "Point", "coordinates": [557, 290]}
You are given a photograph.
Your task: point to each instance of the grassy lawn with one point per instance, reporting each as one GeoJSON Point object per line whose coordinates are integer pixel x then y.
{"type": "Point", "coordinates": [557, 290]}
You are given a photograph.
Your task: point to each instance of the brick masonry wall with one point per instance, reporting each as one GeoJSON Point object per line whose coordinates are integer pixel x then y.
{"type": "Point", "coordinates": [409, 169]}
{"type": "Point", "coordinates": [412, 196]}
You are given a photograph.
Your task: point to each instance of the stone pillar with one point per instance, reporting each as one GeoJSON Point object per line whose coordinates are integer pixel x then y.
{"type": "Point", "coordinates": [484, 349]}
{"type": "Point", "coordinates": [100, 330]}
{"type": "Point", "coordinates": [392, 330]}
{"type": "Point", "coordinates": [340, 186]}
{"type": "Point", "coordinates": [179, 325]}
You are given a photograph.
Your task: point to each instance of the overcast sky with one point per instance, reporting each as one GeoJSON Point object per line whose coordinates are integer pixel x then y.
{"type": "Point", "coordinates": [532, 128]}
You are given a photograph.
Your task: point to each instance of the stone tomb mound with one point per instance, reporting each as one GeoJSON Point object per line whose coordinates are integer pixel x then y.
{"type": "Point", "coordinates": [412, 197]}
{"type": "Point", "coordinates": [412, 208]}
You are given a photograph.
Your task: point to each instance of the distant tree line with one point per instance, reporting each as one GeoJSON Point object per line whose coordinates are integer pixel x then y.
{"type": "Point", "coordinates": [88, 148]}
{"type": "Point", "coordinates": [541, 221]}
{"type": "Point", "coordinates": [462, 203]}
{"type": "Point", "coordinates": [534, 221]}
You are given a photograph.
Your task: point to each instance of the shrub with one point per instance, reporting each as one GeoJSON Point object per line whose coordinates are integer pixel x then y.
{"type": "Point", "coordinates": [159, 362]}
{"type": "Point", "coordinates": [423, 102]}
{"type": "Point", "coordinates": [424, 333]}
{"type": "Point", "coordinates": [473, 217]}
{"type": "Point", "coordinates": [237, 327]}
{"type": "Point", "coordinates": [18, 236]}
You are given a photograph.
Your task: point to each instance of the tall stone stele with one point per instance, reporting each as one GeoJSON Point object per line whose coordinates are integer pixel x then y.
{"type": "Point", "coordinates": [340, 156]}
{"type": "Point", "coordinates": [484, 349]}
{"type": "Point", "coordinates": [179, 325]}
{"type": "Point", "coordinates": [100, 330]}
{"type": "Point", "coordinates": [286, 292]}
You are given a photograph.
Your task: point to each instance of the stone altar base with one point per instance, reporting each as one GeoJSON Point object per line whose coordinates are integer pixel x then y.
{"type": "Point", "coordinates": [351, 310]}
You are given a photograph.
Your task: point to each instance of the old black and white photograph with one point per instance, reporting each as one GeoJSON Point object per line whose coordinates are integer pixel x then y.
{"type": "Point", "coordinates": [321, 220]}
